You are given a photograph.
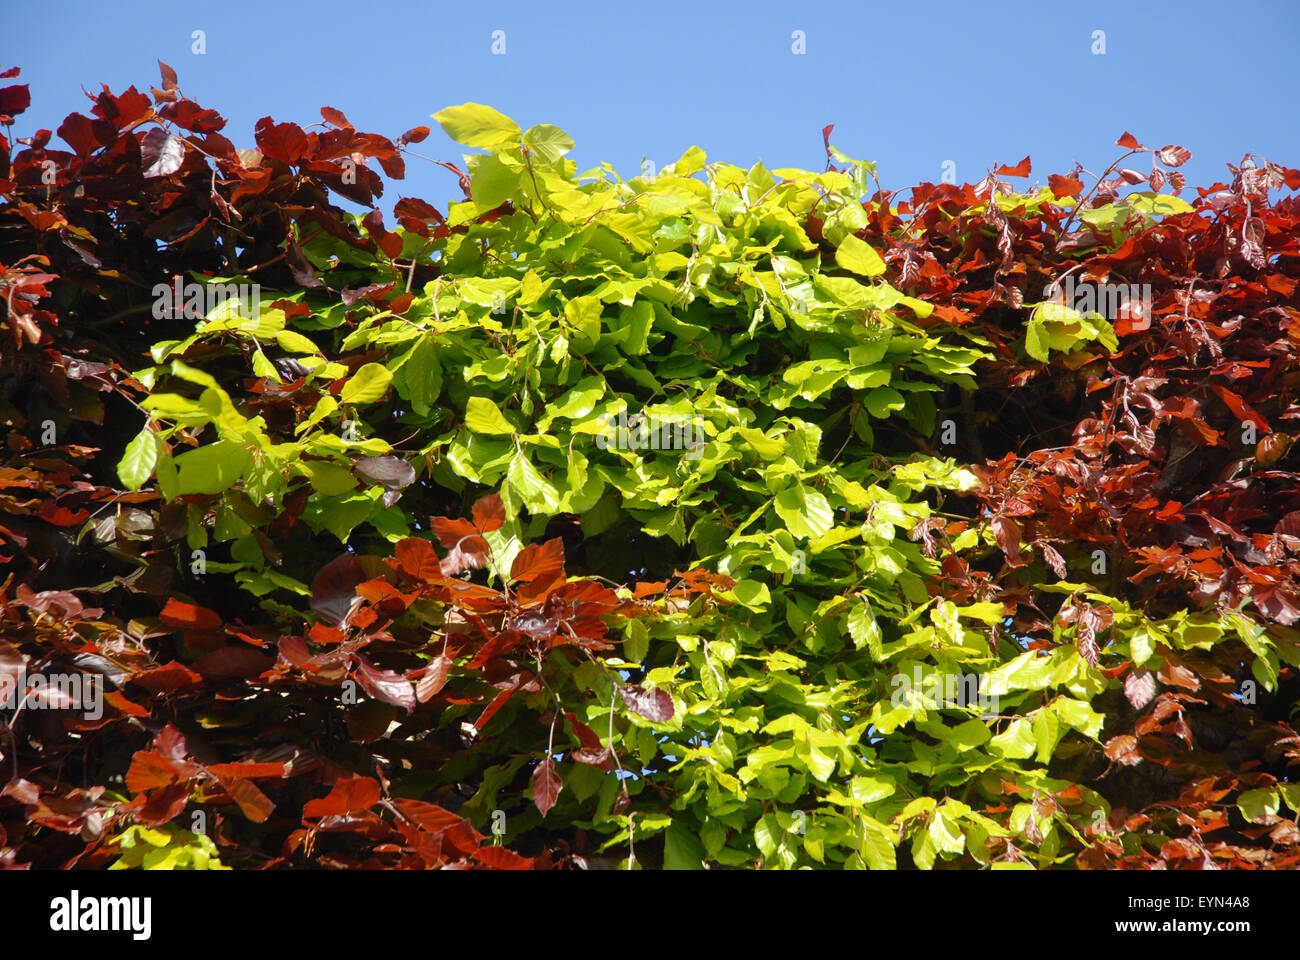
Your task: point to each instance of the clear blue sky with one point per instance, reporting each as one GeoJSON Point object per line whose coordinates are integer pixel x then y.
{"type": "Point", "coordinates": [908, 85]}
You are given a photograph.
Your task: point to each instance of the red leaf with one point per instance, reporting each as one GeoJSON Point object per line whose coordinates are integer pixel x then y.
{"type": "Point", "coordinates": [1289, 525]}
{"type": "Point", "coordinates": [539, 563]}
{"type": "Point", "coordinates": [1053, 558]}
{"type": "Point", "coordinates": [1238, 406]}
{"type": "Point", "coordinates": [415, 135]}
{"type": "Point", "coordinates": [24, 791]}
{"type": "Point", "coordinates": [170, 676]}
{"type": "Point", "coordinates": [471, 553]}
{"type": "Point", "coordinates": [233, 662]}
{"type": "Point", "coordinates": [586, 736]}
{"type": "Point", "coordinates": [15, 99]}
{"type": "Point", "coordinates": [417, 209]}
{"type": "Point", "coordinates": [1277, 604]}
{"type": "Point", "coordinates": [333, 590]}
{"type": "Point", "coordinates": [293, 650]}
{"type": "Point", "coordinates": [385, 684]}
{"type": "Point", "coordinates": [161, 154]}
{"type": "Point", "coordinates": [335, 117]}
{"type": "Point", "coordinates": [417, 559]}
{"type": "Point", "coordinates": [654, 705]}
{"type": "Point", "coordinates": [248, 771]}
{"type": "Point", "coordinates": [546, 785]}
{"type": "Point", "coordinates": [499, 858]}
{"type": "Point", "coordinates": [1128, 140]}
{"type": "Point", "coordinates": [434, 679]}
{"type": "Point", "coordinates": [428, 816]}
{"type": "Point", "coordinates": [497, 703]}
{"type": "Point", "coordinates": [178, 614]}
{"type": "Point", "coordinates": [319, 633]}
{"type": "Point", "coordinates": [1007, 532]}
{"type": "Point", "coordinates": [1173, 156]}
{"type": "Point", "coordinates": [252, 802]}
{"type": "Point", "coordinates": [168, 76]}
{"type": "Point", "coordinates": [1123, 749]}
{"type": "Point", "coordinates": [281, 141]}
{"type": "Point", "coordinates": [489, 513]}
{"type": "Point", "coordinates": [161, 805]}
{"type": "Point", "coordinates": [1139, 687]}
{"type": "Point", "coordinates": [150, 770]}
{"type": "Point", "coordinates": [121, 703]}
{"type": "Point", "coordinates": [1064, 186]}
{"type": "Point", "coordinates": [1021, 169]}
{"type": "Point", "coordinates": [348, 796]}
{"type": "Point", "coordinates": [1176, 674]}
{"type": "Point", "coordinates": [86, 135]}
{"type": "Point", "coordinates": [451, 532]}
{"type": "Point", "coordinates": [601, 758]}
{"type": "Point", "coordinates": [189, 115]}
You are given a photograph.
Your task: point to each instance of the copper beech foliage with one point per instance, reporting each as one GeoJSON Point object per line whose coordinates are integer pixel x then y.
{"type": "Point", "coordinates": [308, 789]}
{"type": "Point", "coordinates": [1173, 457]}
{"type": "Point", "coordinates": [219, 706]}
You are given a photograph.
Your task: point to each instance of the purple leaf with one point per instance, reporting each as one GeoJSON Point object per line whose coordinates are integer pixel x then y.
{"type": "Point", "coordinates": [334, 589]}
{"type": "Point", "coordinates": [654, 705]}
{"type": "Point", "coordinates": [546, 785]}
{"type": "Point", "coordinates": [161, 153]}
{"type": "Point", "coordinates": [385, 685]}
{"type": "Point", "coordinates": [1140, 687]}
{"type": "Point", "coordinates": [393, 473]}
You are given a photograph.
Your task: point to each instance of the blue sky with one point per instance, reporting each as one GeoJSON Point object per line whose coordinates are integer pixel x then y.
{"type": "Point", "coordinates": [908, 85]}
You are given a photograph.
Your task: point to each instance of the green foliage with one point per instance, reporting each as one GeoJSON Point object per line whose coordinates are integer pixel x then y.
{"type": "Point", "coordinates": [165, 847]}
{"type": "Point", "coordinates": [707, 374]}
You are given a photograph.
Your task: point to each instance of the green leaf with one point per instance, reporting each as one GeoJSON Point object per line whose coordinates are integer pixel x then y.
{"type": "Point", "coordinates": [368, 384]}
{"type": "Point", "coordinates": [858, 256]}
{"type": "Point", "coordinates": [534, 489]}
{"type": "Point", "coordinates": [751, 594]}
{"type": "Point", "coordinates": [877, 845]}
{"type": "Point", "coordinates": [1036, 341]}
{"type": "Point", "coordinates": [211, 469]}
{"type": "Point", "coordinates": [944, 834]}
{"type": "Point", "coordinates": [138, 462]}
{"type": "Point", "coordinates": [494, 181]}
{"type": "Point", "coordinates": [805, 511]}
{"type": "Point", "coordinates": [584, 313]}
{"type": "Point", "coordinates": [548, 142]}
{"type": "Point", "coordinates": [884, 400]}
{"type": "Point", "coordinates": [484, 416]}
{"type": "Point", "coordinates": [1290, 792]}
{"type": "Point", "coordinates": [682, 848]}
{"type": "Point", "coordinates": [419, 379]}
{"type": "Point", "coordinates": [1142, 645]}
{"type": "Point", "coordinates": [327, 478]}
{"type": "Point", "coordinates": [690, 162]}
{"type": "Point", "coordinates": [1258, 805]}
{"type": "Point", "coordinates": [864, 630]}
{"type": "Point", "coordinates": [295, 342]}
{"type": "Point", "coordinates": [476, 125]}
{"type": "Point", "coordinates": [1017, 741]}
{"type": "Point", "coordinates": [636, 643]}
